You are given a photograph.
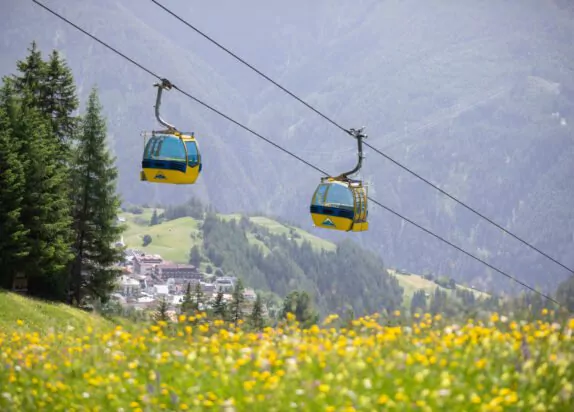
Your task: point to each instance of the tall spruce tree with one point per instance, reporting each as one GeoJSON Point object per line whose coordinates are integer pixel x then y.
{"type": "Point", "coordinates": [45, 205]}
{"type": "Point", "coordinates": [187, 303]}
{"type": "Point", "coordinates": [154, 218]}
{"type": "Point", "coordinates": [29, 84]}
{"type": "Point", "coordinates": [198, 297]}
{"type": "Point", "coordinates": [95, 204]}
{"type": "Point", "coordinates": [13, 245]}
{"type": "Point", "coordinates": [49, 87]}
{"type": "Point", "coordinates": [58, 99]}
{"type": "Point", "coordinates": [237, 301]}
{"type": "Point", "coordinates": [256, 318]}
{"type": "Point", "coordinates": [195, 256]}
{"type": "Point", "coordinates": [219, 305]}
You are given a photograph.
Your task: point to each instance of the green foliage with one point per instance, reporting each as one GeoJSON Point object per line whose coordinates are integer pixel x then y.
{"type": "Point", "coordinates": [256, 317]}
{"type": "Point", "coordinates": [59, 99]}
{"type": "Point", "coordinates": [187, 305]}
{"type": "Point", "coordinates": [30, 83]}
{"type": "Point", "coordinates": [419, 302]}
{"type": "Point", "coordinates": [161, 312]}
{"type": "Point", "coordinates": [565, 294]}
{"type": "Point", "coordinates": [220, 306]}
{"type": "Point", "coordinates": [195, 256]}
{"type": "Point", "coordinates": [13, 246]}
{"type": "Point", "coordinates": [45, 207]}
{"type": "Point", "coordinates": [146, 240]}
{"type": "Point", "coordinates": [348, 275]}
{"type": "Point", "coordinates": [136, 210]}
{"type": "Point", "coordinates": [95, 209]}
{"type": "Point", "coordinates": [198, 297]}
{"type": "Point", "coordinates": [154, 218]}
{"type": "Point", "coordinates": [300, 305]}
{"type": "Point", "coordinates": [237, 301]}
{"type": "Point", "coordinates": [192, 208]}
{"type": "Point", "coordinates": [59, 204]}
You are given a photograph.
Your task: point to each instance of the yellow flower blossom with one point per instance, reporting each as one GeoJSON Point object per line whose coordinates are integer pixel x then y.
{"type": "Point", "coordinates": [214, 365]}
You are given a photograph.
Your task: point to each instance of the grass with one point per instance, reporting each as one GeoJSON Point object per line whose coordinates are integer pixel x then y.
{"type": "Point", "coordinates": [278, 228]}
{"type": "Point", "coordinates": [431, 365]}
{"type": "Point", "coordinates": [412, 283]}
{"type": "Point", "coordinates": [173, 239]}
{"type": "Point", "coordinates": [41, 316]}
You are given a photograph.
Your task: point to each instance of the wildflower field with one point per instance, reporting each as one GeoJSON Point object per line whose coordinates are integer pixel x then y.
{"type": "Point", "coordinates": [430, 365]}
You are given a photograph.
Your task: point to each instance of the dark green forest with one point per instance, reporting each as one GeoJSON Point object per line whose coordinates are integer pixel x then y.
{"type": "Point", "coordinates": [59, 204]}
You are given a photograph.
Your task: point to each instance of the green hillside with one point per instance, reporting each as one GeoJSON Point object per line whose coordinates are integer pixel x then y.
{"type": "Point", "coordinates": [411, 283]}
{"type": "Point", "coordinates": [41, 316]}
{"type": "Point", "coordinates": [173, 240]}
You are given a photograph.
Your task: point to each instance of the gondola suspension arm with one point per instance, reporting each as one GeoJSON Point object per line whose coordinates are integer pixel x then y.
{"type": "Point", "coordinates": [165, 84]}
{"type": "Point", "coordinates": [359, 135]}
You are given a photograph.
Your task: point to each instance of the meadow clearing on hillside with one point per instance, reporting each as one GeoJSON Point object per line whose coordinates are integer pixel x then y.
{"type": "Point", "coordinates": [194, 365]}
{"type": "Point", "coordinates": [173, 239]}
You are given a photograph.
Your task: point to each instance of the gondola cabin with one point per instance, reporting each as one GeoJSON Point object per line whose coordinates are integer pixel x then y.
{"type": "Point", "coordinates": [171, 158]}
{"type": "Point", "coordinates": [340, 205]}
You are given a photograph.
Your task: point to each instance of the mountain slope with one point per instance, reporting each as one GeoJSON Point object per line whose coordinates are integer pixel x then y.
{"type": "Point", "coordinates": [477, 97]}
{"type": "Point", "coordinates": [41, 316]}
{"type": "Point", "coordinates": [278, 257]}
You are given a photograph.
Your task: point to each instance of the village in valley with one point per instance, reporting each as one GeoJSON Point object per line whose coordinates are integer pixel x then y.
{"type": "Point", "coordinates": [148, 279]}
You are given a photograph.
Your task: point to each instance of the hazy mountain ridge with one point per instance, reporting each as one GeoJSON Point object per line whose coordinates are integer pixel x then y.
{"type": "Point", "coordinates": [466, 92]}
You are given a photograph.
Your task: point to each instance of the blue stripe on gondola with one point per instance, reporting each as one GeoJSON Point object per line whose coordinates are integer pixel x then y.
{"type": "Point", "coordinates": [163, 164]}
{"type": "Point", "coordinates": [332, 211]}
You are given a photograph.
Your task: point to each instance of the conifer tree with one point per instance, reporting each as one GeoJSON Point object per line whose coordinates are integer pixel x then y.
{"type": "Point", "coordinates": [154, 219]}
{"type": "Point", "coordinates": [300, 305]}
{"type": "Point", "coordinates": [418, 302]}
{"type": "Point", "coordinates": [187, 303]}
{"type": "Point", "coordinates": [237, 302]}
{"type": "Point", "coordinates": [219, 306]}
{"type": "Point", "coordinates": [30, 82]}
{"type": "Point", "coordinates": [198, 297]}
{"type": "Point", "coordinates": [58, 99]}
{"type": "Point", "coordinates": [256, 317]}
{"type": "Point", "coordinates": [95, 204]}
{"type": "Point", "coordinates": [13, 245]}
{"type": "Point", "coordinates": [194, 256]}
{"type": "Point", "coordinates": [162, 309]}
{"type": "Point", "coordinates": [45, 206]}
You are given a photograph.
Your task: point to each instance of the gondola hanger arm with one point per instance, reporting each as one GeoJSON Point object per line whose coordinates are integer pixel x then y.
{"type": "Point", "coordinates": [167, 85]}
{"type": "Point", "coordinates": [359, 136]}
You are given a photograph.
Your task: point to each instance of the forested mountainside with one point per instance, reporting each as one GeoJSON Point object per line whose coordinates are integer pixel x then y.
{"type": "Point", "coordinates": [478, 97]}
{"type": "Point", "coordinates": [275, 258]}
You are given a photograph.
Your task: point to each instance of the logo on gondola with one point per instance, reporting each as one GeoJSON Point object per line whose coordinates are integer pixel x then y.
{"type": "Point", "coordinates": [159, 175]}
{"type": "Point", "coordinates": [328, 222]}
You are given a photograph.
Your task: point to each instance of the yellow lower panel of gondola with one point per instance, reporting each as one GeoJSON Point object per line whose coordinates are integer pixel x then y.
{"type": "Point", "coordinates": [174, 177]}
{"type": "Point", "coordinates": [338, 223]}
{"type": "Point", "coordinates": [332, 222]}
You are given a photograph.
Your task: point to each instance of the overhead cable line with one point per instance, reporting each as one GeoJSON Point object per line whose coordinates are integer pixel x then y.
{"type": "Point", "coordinates": [297, 157]}
{"type": "Point", "coordinates": [460, 202]}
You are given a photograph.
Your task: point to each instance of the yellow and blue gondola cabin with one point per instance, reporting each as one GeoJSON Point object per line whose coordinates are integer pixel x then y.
{"type": "Point", "coordinates": [340, 205]}
{"type": "Point", "coordinates": [171, 158]}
